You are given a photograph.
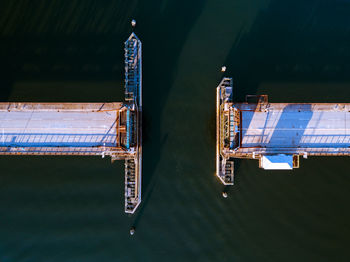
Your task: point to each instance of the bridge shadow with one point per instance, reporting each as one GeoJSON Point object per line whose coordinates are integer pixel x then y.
{"type": "Point", "coordinates": [6, 82]}
{"type": "Point", "coordinates": [280, 129]}
{"type": "Point", "coordinates": [62, 68]}
{"type": "Point", "coordinates": [163, 41]}
{"type": "Point", "coordinates": [290, 127]}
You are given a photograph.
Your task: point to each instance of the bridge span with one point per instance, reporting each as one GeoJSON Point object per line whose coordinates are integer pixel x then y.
{"type": "Point", "coordinates": [99, 129]}
{"type": "Point", "coordinates": [276, 134]}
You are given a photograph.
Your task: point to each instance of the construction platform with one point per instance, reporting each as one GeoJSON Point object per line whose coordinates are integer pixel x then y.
{"type": "Point", "coordinates": [276, 134]}
{"type": "Point", "coordinates": [100, 129]}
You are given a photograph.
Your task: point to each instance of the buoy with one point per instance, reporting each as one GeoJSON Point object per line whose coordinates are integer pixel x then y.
{"type": "Point", "coordinates": [224, 194]}
{"type": "Point", "coordinates": [132, 230]}
{"type": "Point", "coordinates": [223, 68]}
{"type": "Point", "coordinates": [133, 23]}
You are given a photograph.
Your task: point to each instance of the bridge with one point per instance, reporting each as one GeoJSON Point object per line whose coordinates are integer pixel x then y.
{"type": "Point", "coordinates": [86, 129]}
{"type": "Point", "coordinates": [276, 134]}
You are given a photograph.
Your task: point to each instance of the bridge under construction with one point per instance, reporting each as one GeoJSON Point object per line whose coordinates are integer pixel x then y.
{"type": "Point", "coordinates": [88, 129]}
{"type": "Point", "coordinates": [276, 134]}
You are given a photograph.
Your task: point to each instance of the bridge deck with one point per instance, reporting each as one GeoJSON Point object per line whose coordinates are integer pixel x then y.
{"type": "Point", "coordinates": [276, 133]}
{"type": "Point", "coordinates": [60, 125]}
{"type": "Point", "coordinates": [111, 129]}
{"type": "Point", "coordinates": [295, 126]}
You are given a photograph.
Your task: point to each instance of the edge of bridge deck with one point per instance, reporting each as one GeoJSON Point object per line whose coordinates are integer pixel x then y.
{"type": "Point", "coordinates": [68, 106]}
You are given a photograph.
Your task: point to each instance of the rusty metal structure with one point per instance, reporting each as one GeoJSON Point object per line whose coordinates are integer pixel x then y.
{"type": "Point", "coordinates": [87, 129]}
{"type": "Point", "coordinates": [276, 134]}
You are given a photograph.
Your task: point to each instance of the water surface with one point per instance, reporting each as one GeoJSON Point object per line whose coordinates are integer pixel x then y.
{"type": "Point", "coordinates": [71, 208]}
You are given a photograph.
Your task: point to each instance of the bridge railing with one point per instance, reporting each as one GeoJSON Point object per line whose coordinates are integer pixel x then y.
{"type": "Point", "coordinates": [132, 68]}
{"type": "Point", "coordinates": [133, 95]}
{"type": "Point", "coordinates": [132, 192]}
{"type": "Point", "coordinates": [224, 167]}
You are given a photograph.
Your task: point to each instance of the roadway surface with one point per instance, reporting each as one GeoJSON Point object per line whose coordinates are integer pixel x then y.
{"type": "Point", "coordinates": [58, 124]}
{"type": "Point", "coordinates": [296, 126]}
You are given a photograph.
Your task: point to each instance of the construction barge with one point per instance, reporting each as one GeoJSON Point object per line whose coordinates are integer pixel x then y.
{"type": "Point", "coordinates": [85, 129]}
{"type": "Point", "coordinates": [276, 134]}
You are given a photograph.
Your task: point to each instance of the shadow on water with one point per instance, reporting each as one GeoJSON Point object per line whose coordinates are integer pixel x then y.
{"type": "Point", "coordinates": [58, 43]}
{"type": "Point", "coordinates": [290, 123]}
{"type": "Point", "coordinates": [278, 48]}
{"type": "Point", "coordinates": [163, 40]}
{"type": "Point", "coordinates": [288, 126]}
{"type": "Point", "coordinates": [6, 82]}
{"type": "Point", "coordinates": [61, 60]}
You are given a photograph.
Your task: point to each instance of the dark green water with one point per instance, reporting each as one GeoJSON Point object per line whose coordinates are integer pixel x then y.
{"type": "Point", "coordinates": [71, 208]}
